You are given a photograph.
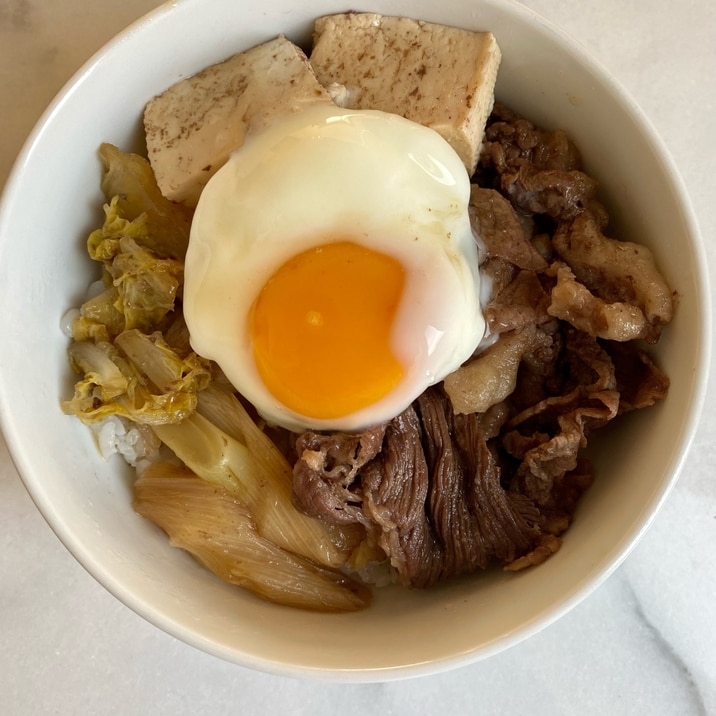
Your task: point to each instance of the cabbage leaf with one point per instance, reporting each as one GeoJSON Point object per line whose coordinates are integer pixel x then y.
{"type": "Point", "coordinates": [147, 285]}
{"type": "Point", "coordinates": [112, 384]}
{"type": "Point", "coordinates": [129, 177]}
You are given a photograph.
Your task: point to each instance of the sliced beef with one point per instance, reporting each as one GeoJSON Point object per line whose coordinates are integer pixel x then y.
{"type": "Point", "coordinates": [640, 382]}
{"type": "Point", "coordinates": [616, 271]}
{"type": "Point", "coordinates": [431, 498]}
{"type": "Point", "coordinates": [522, 302]}
{"type": "Point", "coordinates": [500, 230]}
{"type": "Point", "coordinates": [442, 489]}
{"type": "Point", "coordinates": [547, 436]}
{"type": "Point", "coordinates": [538, 170]}
{"type": "Point", "coordinates": [396, 488]}
{"type": "Point", "coordinates": [325, 476]}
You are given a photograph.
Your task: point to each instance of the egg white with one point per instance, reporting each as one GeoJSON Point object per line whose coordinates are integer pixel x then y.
{"type": "Point", "coordinates": [322, 175]}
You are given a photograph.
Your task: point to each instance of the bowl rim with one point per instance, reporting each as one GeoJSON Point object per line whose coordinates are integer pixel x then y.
{"type": "Point", "coordinates": [598, 575]}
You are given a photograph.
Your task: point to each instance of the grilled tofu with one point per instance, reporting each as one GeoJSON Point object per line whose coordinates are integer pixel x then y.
{"type": "Point", "coordinates": [193, 126]}
{"type": "Point", "coordinates": [439, 76]}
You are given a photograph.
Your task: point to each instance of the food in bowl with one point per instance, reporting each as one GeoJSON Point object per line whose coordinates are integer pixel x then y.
{"type": "Point", "coordinates": [484, 467]}
{"type": "Point", "coordinates": [340, 244]}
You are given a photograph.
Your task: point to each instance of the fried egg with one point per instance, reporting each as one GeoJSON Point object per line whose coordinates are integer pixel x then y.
{"type": "Point", "coordinates": [332, 272]}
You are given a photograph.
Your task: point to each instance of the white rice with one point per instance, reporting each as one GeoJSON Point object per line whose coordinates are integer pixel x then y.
{"type": "Point", "coordinates": [136, 443]}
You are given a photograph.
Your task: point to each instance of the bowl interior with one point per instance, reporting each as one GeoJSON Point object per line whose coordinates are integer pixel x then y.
{"type": "Point", "coordinates": [44, 271]}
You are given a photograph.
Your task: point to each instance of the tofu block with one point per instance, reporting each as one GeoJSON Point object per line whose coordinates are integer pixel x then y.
{"type": "Point", "coordinates": [193, 127]}
{"type": "Point", "coordinates": [442, 77]}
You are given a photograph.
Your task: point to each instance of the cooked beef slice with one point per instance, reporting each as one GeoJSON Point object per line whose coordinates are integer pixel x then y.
{"type": "Point", "coordinates": [500, 230]}
{"type": "Point", "coordinates": [522, 302]}
{"type": "Point", "coordinates": [431, 497]}
{"type": "Point", "coordinates": [325, 476]}
{"type": "Point", "coordinates": [639, 380]}
{"type": "Point", "coordinates": [616, 271]}
{"type": "Point", "coordinates": [547, 436]}
{"type": "Point", "coordinates": [539, 171]}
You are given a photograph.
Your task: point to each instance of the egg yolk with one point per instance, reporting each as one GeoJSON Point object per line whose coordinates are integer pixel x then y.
{"type": "Point", "coordinates": [321, 329]}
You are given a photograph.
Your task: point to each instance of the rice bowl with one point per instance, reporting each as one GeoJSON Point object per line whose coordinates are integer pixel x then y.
{"type": "Point", "coordinates": [87, 501]}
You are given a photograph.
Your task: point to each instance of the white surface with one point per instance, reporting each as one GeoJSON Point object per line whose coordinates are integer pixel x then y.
{"type": "Point", "coordinates": [645, 642]}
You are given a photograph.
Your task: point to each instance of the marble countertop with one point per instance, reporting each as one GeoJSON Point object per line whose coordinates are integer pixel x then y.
{"type": "Point", "coordinates": [644, 642]}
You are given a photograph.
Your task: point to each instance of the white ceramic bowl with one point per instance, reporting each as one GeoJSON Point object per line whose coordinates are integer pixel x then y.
{"type": "Point", "coordinates": [51, 202]}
